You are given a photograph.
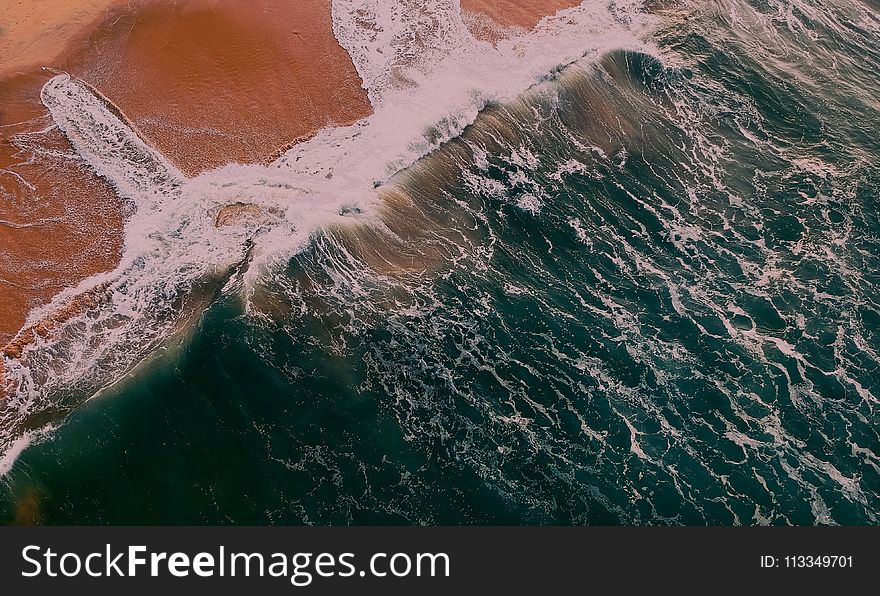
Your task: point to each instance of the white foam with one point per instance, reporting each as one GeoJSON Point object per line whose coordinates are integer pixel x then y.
{"type": "Point", "coordinates": [137, 170]}
{"type": "Point", "coordinates": [427, 79]}
{"type": "Point", "coordinates": [12, 451]}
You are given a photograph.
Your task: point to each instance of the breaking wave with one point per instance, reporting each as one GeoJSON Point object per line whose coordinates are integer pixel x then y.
{"type": "Point", "coordinates": [430, 84]}
{"type": "Point", "coordinates": [621, 270]}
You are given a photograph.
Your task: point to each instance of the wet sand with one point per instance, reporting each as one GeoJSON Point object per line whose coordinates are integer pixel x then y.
{"type": "Point", "coordinates": [36, 33]}
{"type": "Point", "coordinates": [59, 223]}
{"type": "Point", "coordinates": [498, 19]}
{"type": "Point", "coordinates": [205, 81]}
{"type": "Point", "coordinates": [213, 81]}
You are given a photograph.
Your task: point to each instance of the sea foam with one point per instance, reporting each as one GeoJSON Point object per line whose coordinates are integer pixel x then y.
{"type": "Point", "coordinates": [427, 79]}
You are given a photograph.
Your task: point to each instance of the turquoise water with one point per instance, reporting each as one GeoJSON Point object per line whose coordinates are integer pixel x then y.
{"type": "Point", "coordinates": [648, 292]}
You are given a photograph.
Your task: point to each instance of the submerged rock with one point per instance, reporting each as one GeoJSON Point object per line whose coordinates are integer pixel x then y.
{"type": "Point", "coordinates": [244, 214]}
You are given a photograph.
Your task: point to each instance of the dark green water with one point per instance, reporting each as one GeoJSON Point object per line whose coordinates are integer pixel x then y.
{"type": "Point", "coordinates": [653, 298]}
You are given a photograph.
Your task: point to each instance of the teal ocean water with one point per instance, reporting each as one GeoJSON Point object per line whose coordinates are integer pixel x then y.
{"type": "Point", "coordinates": [646, 292]}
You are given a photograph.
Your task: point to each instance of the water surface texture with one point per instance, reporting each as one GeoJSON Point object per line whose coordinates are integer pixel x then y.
{"type": "Point", "coordinates": [641, 287]}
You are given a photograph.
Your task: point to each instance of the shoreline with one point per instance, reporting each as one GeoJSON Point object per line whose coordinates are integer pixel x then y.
{"type": "Point", "coordinates": [206, 82]}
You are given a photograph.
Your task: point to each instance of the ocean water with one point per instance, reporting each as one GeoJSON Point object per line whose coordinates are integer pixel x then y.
{"type": "Point", "coordinates": [641, 285]}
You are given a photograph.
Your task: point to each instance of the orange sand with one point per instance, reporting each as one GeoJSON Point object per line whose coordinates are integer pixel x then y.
{"type": "Point", "coordinates": [213, 81]}
{"type": "Point", "coordinates": [205, 81]}
{"type": "Point", "coordinates": [497, 19]}
{"type": "Point", "coordinates": [59, 223]}
{"type": "Point", "coordinates": [35, 33]}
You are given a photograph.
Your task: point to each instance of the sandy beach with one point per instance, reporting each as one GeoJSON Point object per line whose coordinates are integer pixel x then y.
{"type": "Point", "coordinates": [36, 33]}
{"type": "Point", "coordinates": [205, 81]}
{"type": "Point", "coordinates": [48, 238]}
{"type": "Point", "coordinates": [208, 82]}
{"type": "Point", "coordinates": [59, 223]}
{"type": "Point", "coordinates": [497, 19]}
